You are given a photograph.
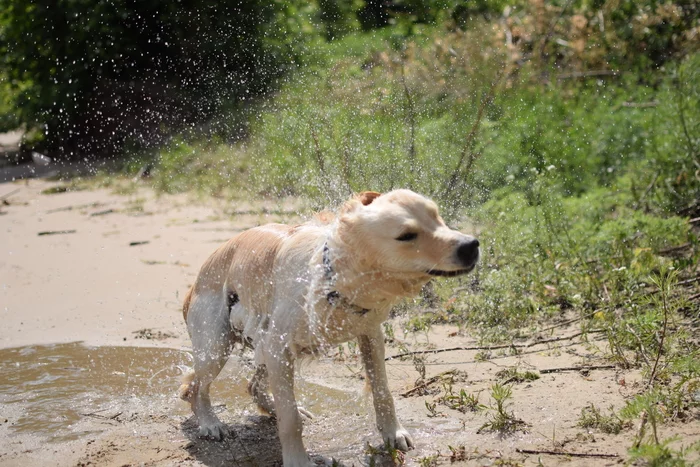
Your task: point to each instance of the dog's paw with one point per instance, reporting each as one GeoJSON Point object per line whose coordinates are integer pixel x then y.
{"type": "Point", "coordinates": [215, 431]}
{"type": "Point", "coordinates": [401, 440]}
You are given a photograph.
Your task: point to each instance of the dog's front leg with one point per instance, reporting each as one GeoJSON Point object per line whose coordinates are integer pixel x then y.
{"type": "Point", "coordinates": [372, 350]}
{"type": "Point", "coordinates": [280, 368]}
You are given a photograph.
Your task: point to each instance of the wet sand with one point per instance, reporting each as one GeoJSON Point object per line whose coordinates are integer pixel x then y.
{"type": "Point", "coordinates": [93, 341]}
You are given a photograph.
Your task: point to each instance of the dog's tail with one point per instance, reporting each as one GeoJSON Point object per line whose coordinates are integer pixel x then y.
{"type": "Point", "coordinates": [186, 303]}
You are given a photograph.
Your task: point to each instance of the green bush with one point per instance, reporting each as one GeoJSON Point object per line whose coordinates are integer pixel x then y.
{"type": "Point", "coordinates": [95, 74]}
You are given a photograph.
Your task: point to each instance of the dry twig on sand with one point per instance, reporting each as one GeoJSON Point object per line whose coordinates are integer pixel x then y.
{"type": "Point", "coordinates": [577, 368]}
{"type": "Point", "coordinates": [428, 382]}
{"type": "Point", "coordinates": [563, 453]}
{"type": "Point", "coordinates": [56, 232]}
{"type": "Point", "coordinates": [494, 347]}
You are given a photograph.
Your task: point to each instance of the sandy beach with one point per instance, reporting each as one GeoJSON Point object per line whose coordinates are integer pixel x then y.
{"type": "Point", "coordinates": [93, 342]}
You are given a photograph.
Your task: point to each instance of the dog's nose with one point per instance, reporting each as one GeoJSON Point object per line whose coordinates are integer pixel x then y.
{"type": "Point", "coordinates": [468, 252]}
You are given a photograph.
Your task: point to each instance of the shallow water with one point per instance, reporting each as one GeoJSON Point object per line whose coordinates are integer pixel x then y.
{"type": "Point", "coordinates": [59, 393]}
{"type": "Point", "coordinates": [54, 386]}
{"type": "Point", "coordinates": [51, 388]}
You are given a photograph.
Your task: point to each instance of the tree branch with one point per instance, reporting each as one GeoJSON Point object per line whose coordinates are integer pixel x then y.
{"type": "Point", "coordinates": [563, 453]}
{"type": "Point", "coordinates": [494, 347]}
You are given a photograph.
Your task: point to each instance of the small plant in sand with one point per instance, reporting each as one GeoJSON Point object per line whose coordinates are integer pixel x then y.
{"type": "Point", "coordinates": [384, 456]}
{"type": "Point", "coordinates": [458, 454]}
{"type": "Point", "coordinates": [460, 401]}
{"type": "Point", "coordinates": [592, 418]}
{"type": "Point", "coordinates": [389, 333]}
{"type": "Point", "coordinates": [662, 454]}
{"type": "Point", "coordinates": [499, 419]}
{"type": "Point", "coordinates": [432, 409]}
{"type": "Point", "coordinates": [669, 361]}
{"type": "Point", "coordinates": [506, 462]}
{"type": "Point", "coordinates": [429, 461]}
{"type": "Point", "coordinates": [512, 375]}
{"type": "Point", "coordinates": [422, 323]}
{"type": "Point", "coordinates": [648, 334]}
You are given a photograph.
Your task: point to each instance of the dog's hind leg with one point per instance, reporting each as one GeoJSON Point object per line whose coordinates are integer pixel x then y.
{"type": "Point", "coordinates": [212, 342]}
{"type": "Point", "coordinates": [258, 389]}
{"type": "Point", "coordinates": [280, 365]}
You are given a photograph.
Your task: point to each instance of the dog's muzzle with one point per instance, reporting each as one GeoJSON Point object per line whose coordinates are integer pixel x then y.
{"type": "Point", "coordinates": [467, 255]}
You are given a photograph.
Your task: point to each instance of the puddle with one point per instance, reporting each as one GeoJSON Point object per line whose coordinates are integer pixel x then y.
{"type": "Point", "coordinates": [49, 389]}
{"type": "Point", "coordinates": [60, 393]}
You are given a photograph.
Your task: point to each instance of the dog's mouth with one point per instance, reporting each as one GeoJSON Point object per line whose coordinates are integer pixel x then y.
{"type": "Point", "coordinates": [459, 272]}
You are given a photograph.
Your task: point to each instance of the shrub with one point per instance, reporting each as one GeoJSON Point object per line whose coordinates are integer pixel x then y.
{"type": "Point", "coordinates": [95, 74]}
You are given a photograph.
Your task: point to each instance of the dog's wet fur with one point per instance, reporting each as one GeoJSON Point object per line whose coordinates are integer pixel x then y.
{"type": "Point", "coordinates": [290, 291]}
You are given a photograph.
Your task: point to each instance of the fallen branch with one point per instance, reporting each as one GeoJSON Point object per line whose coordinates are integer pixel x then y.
{"type": "Point", "coordinates": [576, 368]}
{"type": "Point", "coordinates": [77, 206]}
{"type": "Point", "coordinates": [694, 221]}
{"type": "Point", "coordinates": [114, 417]}
{"type": "Point", "coordinates": [689, 281]}
{"type": "Point", "coordinates": [144, 242]}
{"type": "Point", "coordinates": [640, 105]}
{"type": "Point", "coordinates": [671, 249]}
{"type": "Point", "coordinates": [564, 453]}
{"type": "Point", "coordinates": [494, 347]}
{"type": "Point", "coordinates": [7, 195]}
{"type": "Point", "coordinates": [102, 213]}
{"type": "Point", "coordinates": [55, 232]}
{"type": "Point", "coordinates": [427, 383]}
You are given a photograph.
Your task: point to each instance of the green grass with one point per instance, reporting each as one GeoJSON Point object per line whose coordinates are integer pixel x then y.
{"type": "Point", "coordinates": [512, 375]}
{"type": "Point", "coordinates": [499, 419]}
{"type": "Point", "coordinates": [661, 454]}
{"type": "Point", "coordinates": [592, 418]}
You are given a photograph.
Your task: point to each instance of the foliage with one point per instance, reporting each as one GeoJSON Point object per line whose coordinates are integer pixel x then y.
{"type": "Point", "coordinates": [592, 418]}
{"type": "Point", "coordinates": [460, 401]}
{"type": "Point", "coordinates": [579, 188]}
{"type": "Point", "coordinates": [204, 168]}
{"type": "Point", "coordinates": [512, 375]}
{"type": "Point", "coordinates": [661, 454]}
{"type": "Point", "coordinates": [408, 114]}
{"type": "Point", "coordinates": [499, 419]}
{"type": "Point", "coordinates": [95, 74]}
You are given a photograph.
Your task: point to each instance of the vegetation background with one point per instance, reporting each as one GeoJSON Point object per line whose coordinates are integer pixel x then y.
{"type": "Point", "coordinates": [567, 132]}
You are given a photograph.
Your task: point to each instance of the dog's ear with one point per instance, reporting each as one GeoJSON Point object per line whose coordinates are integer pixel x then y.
{"type": "Point", "coordinates": [366, 197]}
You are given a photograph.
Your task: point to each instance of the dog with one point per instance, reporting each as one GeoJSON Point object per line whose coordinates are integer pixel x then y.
{"type": "Point", "coordinates": [292, 291]}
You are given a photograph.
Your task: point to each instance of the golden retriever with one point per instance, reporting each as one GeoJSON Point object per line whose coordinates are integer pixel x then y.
{"type": "Point", "coordinates": [289, 291]}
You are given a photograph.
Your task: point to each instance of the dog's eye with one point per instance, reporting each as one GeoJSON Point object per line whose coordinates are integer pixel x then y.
{"type": "Point", "coordinates": [407, 237]}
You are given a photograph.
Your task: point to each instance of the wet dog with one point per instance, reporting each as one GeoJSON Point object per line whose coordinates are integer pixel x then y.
{"type": "Point", "coordinates": [289, 291]}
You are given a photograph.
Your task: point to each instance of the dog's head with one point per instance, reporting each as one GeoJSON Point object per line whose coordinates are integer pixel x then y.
{"type": "Point", "coordinates": [402, 232]}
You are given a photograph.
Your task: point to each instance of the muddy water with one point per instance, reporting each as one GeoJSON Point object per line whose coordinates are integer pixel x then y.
{"type": "Point", "coordinates": [49, 389]}
{"type": "Point", "coordinates": [59, 393]}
